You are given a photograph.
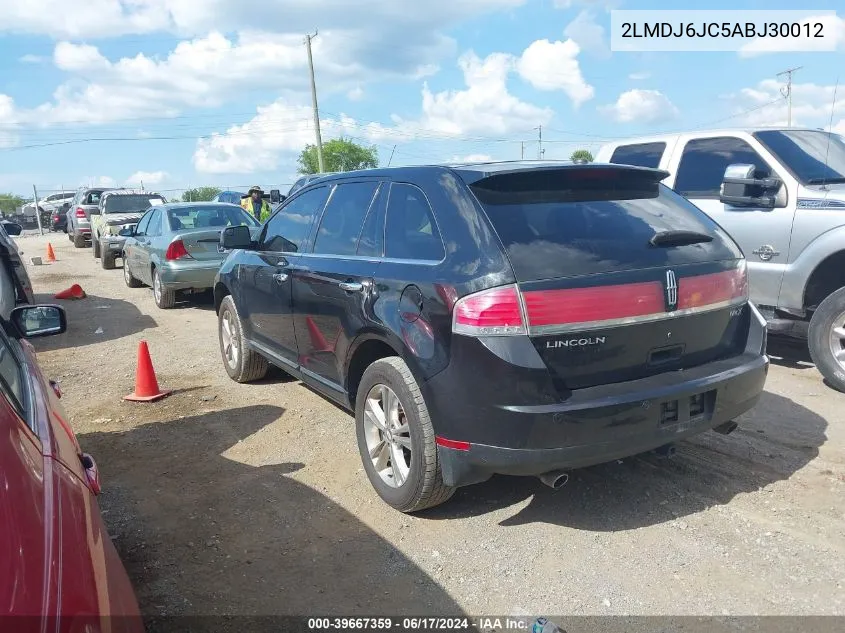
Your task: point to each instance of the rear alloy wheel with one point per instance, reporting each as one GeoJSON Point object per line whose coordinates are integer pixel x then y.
{"type": "Point", "coordinates": [241, 363]}
{"type": "Point", "coordinates": [128, 278]}
{"type": "Point", "coordinates": [396, 438]}
{"type": "Point", "coordinates": [164, 298]}
{"type": "Point", "coordinates": [827, 339]}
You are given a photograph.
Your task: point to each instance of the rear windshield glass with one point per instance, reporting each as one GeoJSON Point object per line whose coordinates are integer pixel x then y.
{"type": "Point", "coordinates": [131, 203]}
{"type": "Point", "coordinates": [209, 217]}
{"type": "Point", "coordinates": [558, 224]}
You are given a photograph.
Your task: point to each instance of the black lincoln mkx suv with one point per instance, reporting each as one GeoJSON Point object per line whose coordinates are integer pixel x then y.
{"type": "Point", "coordinates": [524, 319]}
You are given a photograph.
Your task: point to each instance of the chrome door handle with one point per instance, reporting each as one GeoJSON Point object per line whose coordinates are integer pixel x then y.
{"type": "Point", "coordinates": [351, 286]}
{"type": "Point", "coordinates": [280, 278]}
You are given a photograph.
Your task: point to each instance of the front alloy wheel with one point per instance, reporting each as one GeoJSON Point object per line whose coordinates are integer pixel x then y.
{"type": "Point", "coordinates": [387, 435]}
{"type": "Point", "coordinates": [827, 339]}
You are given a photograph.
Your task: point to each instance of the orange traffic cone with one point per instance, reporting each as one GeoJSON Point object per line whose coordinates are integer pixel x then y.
{"type": "Point", "coordinates": [146, 384]}
{"type": "Point", "coordinates": [51, 256]}
{"type": "Point", "coordinates": [74, 292]}
{"type": "Point", "coordinates": [318, 341]}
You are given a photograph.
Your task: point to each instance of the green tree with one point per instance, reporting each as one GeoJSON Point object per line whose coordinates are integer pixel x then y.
{"type": "Point", "coordinates": [581, 155]}
{"type": "Point", "coordinates": [339, 154]}
{"type": "Point", "coordinates": [9, 202]}
{"type": "Point", "coordinates": [200, 194]}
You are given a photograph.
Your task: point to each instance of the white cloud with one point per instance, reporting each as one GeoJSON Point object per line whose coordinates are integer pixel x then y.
{"type": "Point", "coordinates": [588, 34]}
{"type": "Point", "coordinates": [31, 59]}
{"type": "Point", "coordinates": [147, 177]}
{"type": "Point", "coordinates": [483, 107]}
{"type": "Point", "coordinates": [568, 4]}
{"type": "Point", "coordinates": [639, 76]}
{"type": "Point", "coordinates": [811, 104]}
{"type": "Point", "coordinates": [833, 28]}
{"type": "Point", "coordinates": [641, 106]}
{"type": "Point", "coordinates": [472, 158]}
{"type": "Point", "coordinates": [554, 66]}
{"type": "Point", "coordinates": [356, 94]}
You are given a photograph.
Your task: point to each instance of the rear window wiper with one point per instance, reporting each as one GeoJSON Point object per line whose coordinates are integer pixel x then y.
{"type": "Point", "coordinates": [679, 238]}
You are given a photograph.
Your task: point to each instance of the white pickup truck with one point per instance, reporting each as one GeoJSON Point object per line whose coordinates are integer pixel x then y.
{"type": "Point", "coordinates": [780, 192]}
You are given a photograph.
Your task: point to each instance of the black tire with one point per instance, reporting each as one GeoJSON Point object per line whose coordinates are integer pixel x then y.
{"type": "Point", "coordinates": [165, 299]}
{"type": "Point", "coordinates": [78, 241]}
{"type": "Point", "coordinates": [249, 365]}
{"type": "Point", "coordinates": [424, 487]}
{"type": "Point", "coordinates": [827, 316]}
{"type": "Point", "coordinates": [128, 278]}
{"type": "Point", "coordinates": [95, 246]}
{"type": "Point", "coordinates": [107, 261]}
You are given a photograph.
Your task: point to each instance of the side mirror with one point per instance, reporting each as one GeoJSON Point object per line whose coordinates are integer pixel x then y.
{"type": "Point", "coordinates": [13, 228]}
{"type": "Point", "coordinates": [741, 189]}
{"type": "Point", "coordinates": [40, 320]}
{"type": "Point", "coordinates": [235, 237]}
{"type": "Point", "coordinates": [128, 232]}
{"type": "Point", "coordinates": [275, 196]}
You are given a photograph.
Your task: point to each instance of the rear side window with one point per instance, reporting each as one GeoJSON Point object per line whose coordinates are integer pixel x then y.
{"type": "Point", "coordinates": [411, 231]}
{"type": "Point", "coordinates": [639, 155]}
{"type": "Point", "coordinates": [288, 229]}
{"type": "Point", "coordinates": [704, 161]}
{"type": "Point", "coordinates": [562, 223]}
{"type": "Point", "coordinates": [344, 217]}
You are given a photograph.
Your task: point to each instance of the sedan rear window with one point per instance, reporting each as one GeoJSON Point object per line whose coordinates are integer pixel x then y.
{"type": "Point", "coordinates": [209, 217]}
{"type": "Point", "coordinates": [560, 223]}
{"type": "Point", "coordinates": [131, 203]}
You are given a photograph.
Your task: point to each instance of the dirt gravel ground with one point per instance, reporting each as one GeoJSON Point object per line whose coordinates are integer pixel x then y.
{"type": "Point", "coordinates": [251, 499]}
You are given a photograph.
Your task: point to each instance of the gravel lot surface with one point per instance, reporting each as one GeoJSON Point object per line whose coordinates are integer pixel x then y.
{"type": "Point", "coordinates": [251, 499]}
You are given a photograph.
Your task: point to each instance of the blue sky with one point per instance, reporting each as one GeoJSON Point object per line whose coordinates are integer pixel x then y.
{"type": "Point", "coordinates": [194, 93]}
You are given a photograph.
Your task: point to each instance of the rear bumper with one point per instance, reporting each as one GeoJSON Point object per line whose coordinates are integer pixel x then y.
{"type": "Point", "coordinates": [517, 422]}
{"type": "Point", "coordinates": [731, 390]}
{"type": "Point", "coordinates": [189, 275]}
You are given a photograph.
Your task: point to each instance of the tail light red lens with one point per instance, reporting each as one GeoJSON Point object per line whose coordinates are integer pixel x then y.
{"type": "Point", "coordinates": [704, 290]}
{"type": "Point", "coordinates": [586, 305]}
{"type": "Point", "coordinates": [177, 250]}
{"type": "Point", "coordinates": [493, 312]}
{"type": "Point", "coordinates": [80, 212]}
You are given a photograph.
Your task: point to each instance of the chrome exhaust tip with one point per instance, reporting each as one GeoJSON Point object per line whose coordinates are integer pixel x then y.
{"type": "Point", "coordinates": [554, 479]}
{"type": "Point", "coordinates": [666, 451]}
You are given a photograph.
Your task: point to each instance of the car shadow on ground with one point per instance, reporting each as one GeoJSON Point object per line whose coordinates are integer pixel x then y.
{"type": "Point", "coordinates": [203, 532]}
{"type": "Point", "coordinates": [778, 438]}
{"type": "Point", "coordinates": [789, 352]}
{"type": "Point", "coordinates": [94, 320]}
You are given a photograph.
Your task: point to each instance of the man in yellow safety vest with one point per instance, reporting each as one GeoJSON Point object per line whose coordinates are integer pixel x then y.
{"type": "Point", "coordinates": [256, 205]}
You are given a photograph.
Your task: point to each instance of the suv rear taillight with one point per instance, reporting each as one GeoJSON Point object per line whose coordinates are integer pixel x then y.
{"type": "Point", "coordinates": [730, 286]}
{"type": "Point", "coordinates": [493, 312]}
{"type": "Point", "coordinates": [80, 212]}
{"type": "Point", "coordinates": [177, 250]}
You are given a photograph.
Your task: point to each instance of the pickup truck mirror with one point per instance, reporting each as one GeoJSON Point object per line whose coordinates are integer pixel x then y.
{"type": "Point", "coordinates": [234, 237]}
{"type": "Point", "coordinates": [275, 196]}
{"type": "Point", "coordinates": [741, 189]}
{"type": "Point", "coordinates": [128, 231]}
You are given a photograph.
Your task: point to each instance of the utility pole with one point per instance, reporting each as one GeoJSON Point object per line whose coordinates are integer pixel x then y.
{"type": "Point", "coordinates": [540, 151]}
{"type": "Point", "coordinates": [787, 92]}
{"type": "Point", "coordinates": [37, 210]}
{"type": "Point", "coordinates": [522, 150]}
{"type": "Point", "coordinates": [308, 39]}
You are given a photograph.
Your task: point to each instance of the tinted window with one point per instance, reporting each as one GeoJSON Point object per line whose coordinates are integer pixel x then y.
{"type": "Point", "coordinates": [371, 242]}
{"type": "Point", "coordinates": [11, 377]}
{"type": "Point", "coordinates": [288, 229]}
{"type": "Point", "coordinates": [154, 227]}
{"type": "Point", "coordinates": [411, 230]}
{"type": "Point", "coordinates": [141, 229]}
{"type": "Point", "coordinates": [93, 197]}
{"type": "Point", "coordinates": [704, 161]}
{"type": "Point", "coordinates": [640, 155]}
{"type": "Point", "coordinates": [343, 218]}
{"type": "Point", "coordinates": [558, 224]}
{"type": "Point", "coordinates": [132, 203]}
{"type": "Point", "coordinates": [814, 157]}
{"type": "Point", "coordinates": [205, 217]}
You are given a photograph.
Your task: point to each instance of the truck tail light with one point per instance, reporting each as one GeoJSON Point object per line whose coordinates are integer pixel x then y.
{"type": "Point", "coordinates": [493, 312]}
